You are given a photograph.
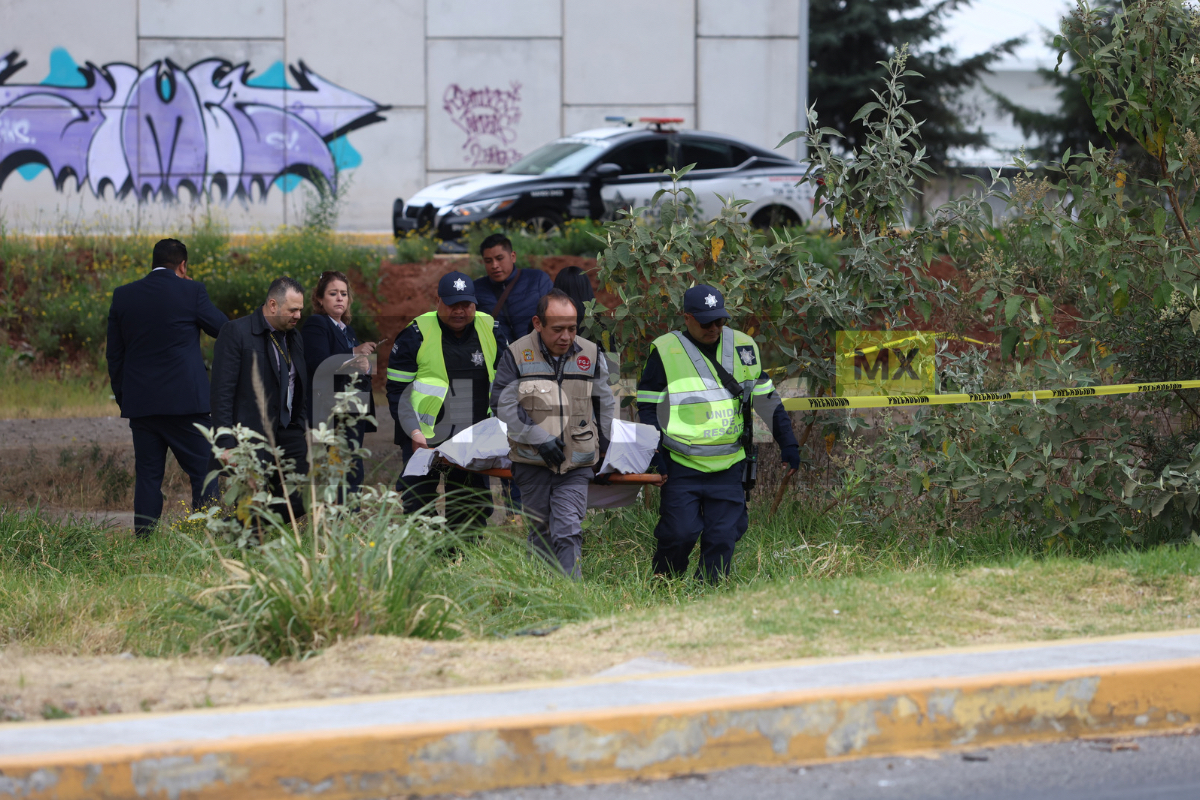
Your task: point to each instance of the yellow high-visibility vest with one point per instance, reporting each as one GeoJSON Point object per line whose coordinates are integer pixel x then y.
{"type": "Point", "coordinates": [432, 382]}
{"type": "Point", "coordinates": [705, 420]}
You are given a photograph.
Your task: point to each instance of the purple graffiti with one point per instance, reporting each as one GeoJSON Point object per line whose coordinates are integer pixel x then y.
{"type": "Point", "coordinates": [160, 129]}
{"type": "Point", "coordinates": [489, 117]}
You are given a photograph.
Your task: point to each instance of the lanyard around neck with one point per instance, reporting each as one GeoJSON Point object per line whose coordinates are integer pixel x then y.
{"type": "Point", "coordinates": [283, 352]}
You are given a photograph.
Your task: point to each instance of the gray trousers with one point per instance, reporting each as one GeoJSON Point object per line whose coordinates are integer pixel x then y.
{"type": "Point", "coordinates": [554, 505]}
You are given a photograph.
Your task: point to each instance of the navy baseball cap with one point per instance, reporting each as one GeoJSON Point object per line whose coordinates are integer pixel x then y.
{"type": "Point", "coordinates": [705, 304]}
{"type": "Point", "coordinates": [455, 287]}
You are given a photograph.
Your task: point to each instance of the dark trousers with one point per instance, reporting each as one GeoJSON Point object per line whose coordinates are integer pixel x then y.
{"type": "Point", "coordinates": [292, 442]}
{"type": "Point", "coordinates": [468, 495]}
{"type": "Point", "coordinates": [555, 506]}
{"type": "Point", "coordinates": [709, 506]}
{"type": "Point", "coordinates": [152, 437]}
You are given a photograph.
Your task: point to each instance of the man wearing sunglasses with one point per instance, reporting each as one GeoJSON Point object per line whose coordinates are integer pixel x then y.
{"type": "Point", "coordinates": [691, 390]}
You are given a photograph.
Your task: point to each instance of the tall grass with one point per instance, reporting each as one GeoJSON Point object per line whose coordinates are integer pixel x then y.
{"type": "Point", "coordinates": [511, 591]}
{"type": "Point", "coordinates": [73, 586]}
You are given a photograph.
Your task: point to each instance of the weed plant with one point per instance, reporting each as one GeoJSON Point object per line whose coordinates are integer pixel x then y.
{"type": "Point", "coordinates": [364, 574]}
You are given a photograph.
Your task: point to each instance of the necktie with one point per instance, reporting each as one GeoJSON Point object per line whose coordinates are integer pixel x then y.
{"type": "Point", "coordinates": [285, 411]}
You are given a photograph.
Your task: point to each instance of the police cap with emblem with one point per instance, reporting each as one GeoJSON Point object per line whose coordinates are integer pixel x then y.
{"type": "Point", "coordinates": [705, 304]}
{"type": "Point", "coordinates": [455, 287]}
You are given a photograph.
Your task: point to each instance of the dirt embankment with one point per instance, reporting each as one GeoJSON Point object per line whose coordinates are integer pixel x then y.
{"type": "Point", "coordinates": [35, 686]}
{"type": "Point", "coordinates": [964, 318]}
{"type": "Point", "coordinates": [408, 290]}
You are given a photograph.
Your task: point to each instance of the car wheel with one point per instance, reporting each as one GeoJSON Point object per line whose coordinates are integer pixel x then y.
{"type": "Point", "coordinates": [775, 217]}
{"type": "Point", "coordinates": [543, 220]}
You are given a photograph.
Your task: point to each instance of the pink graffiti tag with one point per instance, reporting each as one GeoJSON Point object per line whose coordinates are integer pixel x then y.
{"type": "Point", "coordinates": [489, 117]}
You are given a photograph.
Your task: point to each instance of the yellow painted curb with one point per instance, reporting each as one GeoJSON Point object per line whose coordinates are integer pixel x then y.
{"type": "Point", "coordinates": [639, 742]}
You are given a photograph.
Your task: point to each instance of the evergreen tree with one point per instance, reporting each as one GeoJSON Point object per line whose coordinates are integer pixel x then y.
{"type": "Point", "coordinates": [1073, 126]}
{"type": "Point", "coordinates": [848, 39]}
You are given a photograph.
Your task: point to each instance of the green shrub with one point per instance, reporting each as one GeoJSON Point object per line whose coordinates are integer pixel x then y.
{"type": "Point", "coordinates": [58, 289]}
{"type": "Point", "coordinates": [415, 248]}
{"type": "Point", "coordinates": [575, 237]}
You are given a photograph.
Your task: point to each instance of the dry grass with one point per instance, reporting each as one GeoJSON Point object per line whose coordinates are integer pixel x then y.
{"type": "Point", "coordinates": [85, 477]}
{"type": "Point", "coordinates": [36, 395]}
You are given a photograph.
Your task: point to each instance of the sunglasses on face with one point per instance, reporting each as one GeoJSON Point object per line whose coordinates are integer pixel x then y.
{"type": "Point", "coordinates": [720, 323]}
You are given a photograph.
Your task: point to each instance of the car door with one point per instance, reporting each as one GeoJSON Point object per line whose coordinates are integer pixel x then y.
{"type": "Point", "coordinates": [715, 172]}
{"type": "Point", "coordinates": [642, 162]}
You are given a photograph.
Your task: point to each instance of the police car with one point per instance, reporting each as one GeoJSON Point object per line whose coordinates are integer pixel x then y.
{"type": "Point", "coordinates": [594, 173]}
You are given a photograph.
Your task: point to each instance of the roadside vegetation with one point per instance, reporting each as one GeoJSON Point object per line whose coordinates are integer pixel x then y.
{"type": "Point", "coordinates": [921, 527]}
{"type": "Point", "coordinates": [79, 588]}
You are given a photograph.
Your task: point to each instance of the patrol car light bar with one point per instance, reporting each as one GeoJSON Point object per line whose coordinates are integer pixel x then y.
{"type": "Point", "coordinates": [659, 122]}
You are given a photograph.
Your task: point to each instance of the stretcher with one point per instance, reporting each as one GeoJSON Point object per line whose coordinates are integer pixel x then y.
{"type": "Point", "coordinates": [613, 477]}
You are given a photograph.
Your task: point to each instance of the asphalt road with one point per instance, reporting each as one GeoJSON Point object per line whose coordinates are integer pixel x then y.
{"type": "Point", "coordinates": [1153, 768]}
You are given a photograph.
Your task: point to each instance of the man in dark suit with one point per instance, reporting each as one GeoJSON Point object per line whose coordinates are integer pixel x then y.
{"type": "Point", "coordinates": [159, 379]}
{"type": "Point", "coordinates": [265, 344]}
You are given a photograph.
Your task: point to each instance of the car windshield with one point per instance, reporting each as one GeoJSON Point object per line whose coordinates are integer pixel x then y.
{"type": "Point", "coordinates": [564, 157]}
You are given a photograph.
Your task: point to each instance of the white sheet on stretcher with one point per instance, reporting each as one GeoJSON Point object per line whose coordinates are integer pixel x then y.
{"type": "Point", "coordinates": [631, 447]}
{"type": "Point", "coordinates": [485, 446]}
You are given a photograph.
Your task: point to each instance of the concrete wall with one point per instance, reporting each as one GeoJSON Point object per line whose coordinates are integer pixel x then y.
{"type": "Point", "coordinates": [1019, 82]}
{"type": "Point", "coordinates": [401, 93]}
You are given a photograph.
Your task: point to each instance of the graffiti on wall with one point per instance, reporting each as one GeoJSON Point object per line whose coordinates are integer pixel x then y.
{"type": "Point", "coordinates": [489, 118]}
{"type": "Point", "coordinates": [161, 130]}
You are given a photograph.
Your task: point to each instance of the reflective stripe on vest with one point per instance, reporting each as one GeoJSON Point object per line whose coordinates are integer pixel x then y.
{"type": "Point", "coordinates": [400, 375]}
{"type": "Point", "coordinates": [705, 420]}
{"type": "Point", "coordinates": [432, 382]}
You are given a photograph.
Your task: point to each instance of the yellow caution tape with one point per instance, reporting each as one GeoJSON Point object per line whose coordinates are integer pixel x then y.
{"type": "Point", "coordinates": [948, 336]}
{"type": "Point", "coordinates": [1035, 395]}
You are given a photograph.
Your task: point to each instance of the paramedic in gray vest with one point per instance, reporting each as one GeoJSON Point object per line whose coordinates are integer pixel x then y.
{"type": "Point", "coordinates": [439, 373]}
{"type": "Point", "coordinates": [552, 392]}
{"type": "Point", "coordinates": [691, 390]}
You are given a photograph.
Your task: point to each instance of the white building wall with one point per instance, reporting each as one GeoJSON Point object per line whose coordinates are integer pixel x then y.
{"type": "Point", "coordinates": [1020, 83]}
{"type": "Point", "coordinates": [463, 85]}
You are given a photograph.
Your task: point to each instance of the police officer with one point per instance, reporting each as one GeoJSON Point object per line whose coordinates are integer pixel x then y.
{"type": "Point", "coordinates": [690, 390]}
{"type": "Point", "coordinates": [552, 392]}
{"type": "Point", "coordinates": [439, 373]}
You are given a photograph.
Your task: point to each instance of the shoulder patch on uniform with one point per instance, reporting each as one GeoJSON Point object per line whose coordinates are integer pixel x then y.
{"type": "Point", "coordinates": [527, 355]}
{"type": "Point", "coordinates": [396, 346]}
{"type": "Point", "coordinates": [746, 355]}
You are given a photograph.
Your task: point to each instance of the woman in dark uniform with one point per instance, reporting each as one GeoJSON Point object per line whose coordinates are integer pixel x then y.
{"type": "Point", "coordinates": [328, 333]}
